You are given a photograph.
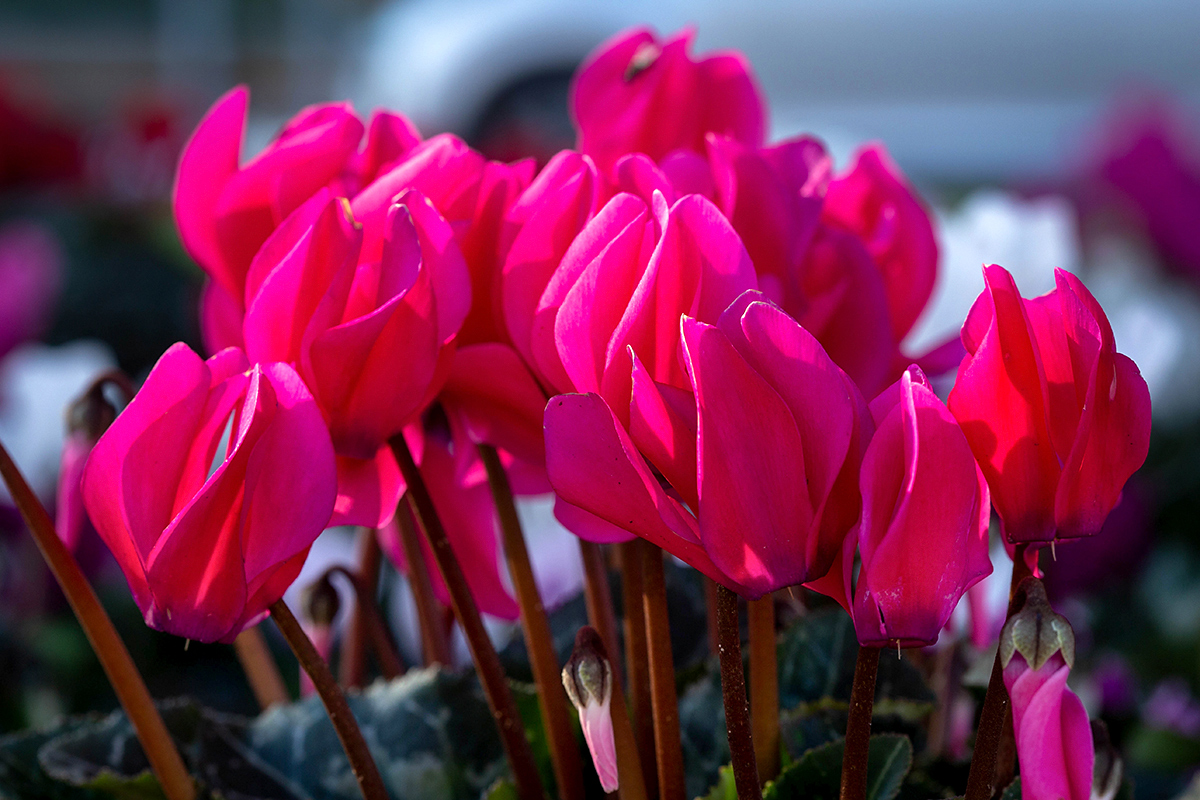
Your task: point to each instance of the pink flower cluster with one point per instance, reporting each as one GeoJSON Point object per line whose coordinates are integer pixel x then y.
{"type": "Point", "coordinates": [693, 336]}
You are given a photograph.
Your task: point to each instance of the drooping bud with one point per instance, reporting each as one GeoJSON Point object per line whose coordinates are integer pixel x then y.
{"type": "Point", "coordinates": [321, 603]}
{"type": "Point", "coordinates": [1034, 630]}
{"type": "Point", "coordinates": [87, 418]}
{"type": "Point", "coordinates": [587, 677]}
{"type": "Point", "coordinates": [1108, 772]}
{"type": "Point", "coordinates": [1054, 740]}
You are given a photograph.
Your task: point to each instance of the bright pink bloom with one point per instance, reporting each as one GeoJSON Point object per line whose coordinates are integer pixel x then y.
{"type": "Point", "coordinates": [30, 275]}
{"type": "Point", "coordinates": [373, 339]}
{"type": "Point", "coordinates": [622, 286]}
{"type": "Point", "coordinates": [922, 538]}
{"type": "Point", "coordinates": [637, 94]}
{"type": "Point", "coordinates": [767, 452]}
{"type": "Point", "coordinates": [875, 203]}
{"type": "Point", "coordinates": [1057, 419]}
{"type": "Point", "coordinates": [70, 515]}
{"type": "Point", "coordinates": [209, 489]}
{"type": "Point", "coordinates": [1054, 738]}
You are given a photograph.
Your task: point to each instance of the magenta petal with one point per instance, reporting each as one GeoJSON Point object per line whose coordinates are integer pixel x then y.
{"type": "Point", "coordinates": [920, 522]}
{"type": "Point", "coordinates": [588, 526]}
{"type": "Point", "coordinates": [220, 318]}
{"type": "Point", "coordinates": [754, 511]}
{"type": "Point", "coordinates": [208, 161]}
{"type": "Point", "coordinates": [441, 256]}
{"type": "Point", "coordinates": [160, 419]}
{"type": "Point", "coordinates": [368, 490]}
{"type": "Point", "coordinates": [620, 213]}
{"type": "Point", "coordinates": [70, 515]}
{"type": "Point", "coordinates": [999, 399]}
{"type": "Point", "coordinates": [593, 465]}
{"type": "Point", "coordinates": [500, 401]}
{"type": "Point", "coordinates": [662, 423]}
{"type": "Point", "coordinates": [596, 721]}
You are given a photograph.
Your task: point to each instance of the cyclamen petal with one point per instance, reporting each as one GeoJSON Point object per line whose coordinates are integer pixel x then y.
{"type": "Point", "coordinates": [156, 502]}
{"type": "Point", "coordinates": [639, 94]}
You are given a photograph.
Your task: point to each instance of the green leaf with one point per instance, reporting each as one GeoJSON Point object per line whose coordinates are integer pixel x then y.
{"type": "Point", "coordinates": [816, 661]}
{"type": "Point", "coordinates": [105, 755]}
{"type": "Point", "coordinates": [502, 789]}
{"type": "Point", "coordinates": [21, 776]}
{"type": "Point", "coordinates": [1013, 790]}
{"type": "Point", "coordinates": [430, 732]}
{"type": "Point", "coordinates": [724, 788]}
{"type": "Point", "coordinates": [817, 774]}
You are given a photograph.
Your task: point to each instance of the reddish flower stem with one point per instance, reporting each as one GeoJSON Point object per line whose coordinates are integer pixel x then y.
{"type": "Point", "coordinates": [599, 602]}
{"type": "Point", "coordinates": [710, 608]}
{"type": "Point", "coordinates": [344, 724]}
{"type": "Point", "coordinates": [547, 673]}
{"type": "Point", "coordinates": [983, 778]}
{"type": "Point", "coordinates": [262, 673]}
{"type": "Point", "coordinates": [374, 627]}
{"type": "Point", "coordinates": [435, 646]}
{"type": "Point", "coordinates": [637, 661]}
{"type": "Point", "coordinates": [733, 693]}
{"type": "Point", "coordinates": [858, 725]}
{"type": "Point", "coordinates": [764, 686]}
{"type": "Point", "coordinates": [667, 743]}
{"type": "Point", "coordinates": [487, 662]}
{"type": "Point", "coordinates": [353, 662]}
{"type": "Point", "coordinates": [160, 749]}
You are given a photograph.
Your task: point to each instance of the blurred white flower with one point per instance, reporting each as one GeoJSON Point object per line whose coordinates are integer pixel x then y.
{"type": "Point", "coordinates": [1155, 320]}
{"type": "Point", "coordinates": [37, 382]}
{"type": "Point", "coordinates": [1029, 238]}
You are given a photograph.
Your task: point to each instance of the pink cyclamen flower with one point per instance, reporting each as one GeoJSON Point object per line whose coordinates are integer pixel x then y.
{"type": "Point", "coordinates": [209, 489]}
{"type": "Point", "coordinates": [373, 339]}
{"type": "Point", "coordinates": [765, 450]}
{"type": "Point", "coordinates": [1056, 417]}
{"type": "Point", "coordinates": [225, 209]}
{"type": "Point", "coordinates": [922, 538]}
{"type": "Point", "coordinates": [873, 201]}
{"type": "Point", "coordinates": [637, 94]}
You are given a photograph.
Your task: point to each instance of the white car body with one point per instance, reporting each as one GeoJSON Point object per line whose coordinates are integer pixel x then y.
{"type": "Point", "coordinates": [959, 91]}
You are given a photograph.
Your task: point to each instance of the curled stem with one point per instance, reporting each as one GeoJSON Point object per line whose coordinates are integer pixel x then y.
{"type": "Point", "coordinates": [764, 686]}
{"type": "Point", "coordinates": [353, 661]}
{"type": "Point", "coordinates": [858, 725]}
{"type": "Point", "coordinates": [361, 761]}
{"type": "Point", "coordinates": [390, 663]}
{"type": "Point", "coordinates": [262, 673]}
{"type": "Point", "coordinates": [599, 602]}
{"type": "Point", "coordinates": [487, 662]}
{"type": "Point", "coordinates": [160, 749]}
{"type": "Point", "coordinates": [667, 744]}
{"type": "Point", "coordinates": [733, 693]}
{"type": "Point", "coordinates": [435, 646]}
{"type": "Point", "coordinates": [564, 751]}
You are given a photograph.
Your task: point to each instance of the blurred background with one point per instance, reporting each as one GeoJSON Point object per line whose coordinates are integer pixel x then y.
{"type": "Point", "coordinates": [1042, 135]}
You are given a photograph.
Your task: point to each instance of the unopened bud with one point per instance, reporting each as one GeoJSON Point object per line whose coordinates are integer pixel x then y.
{"type": "Point", "coordinates": [1034, 630]}
{"type": "Point", "coordinates": [587, 678]}
{"type": "Point", "coordinates": [321, 601]}
{"type": "Point", "coordinates": [93, 411]}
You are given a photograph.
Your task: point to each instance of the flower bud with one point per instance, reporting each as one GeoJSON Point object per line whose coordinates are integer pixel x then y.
{"type": "Point", "coordinates": [321, 601]}
{"type": "Point", "coordinates": [1034, 630]}
{"type": "Point", "coordinates": [587, 678]}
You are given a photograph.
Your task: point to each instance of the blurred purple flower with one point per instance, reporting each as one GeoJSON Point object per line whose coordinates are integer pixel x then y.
{"type": "Point", "coordinates": [1148, 156]}
{"type": "Point", "coordinates": [30, 276]}
{"type": "Point", "coordinates": [1171, 707]}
